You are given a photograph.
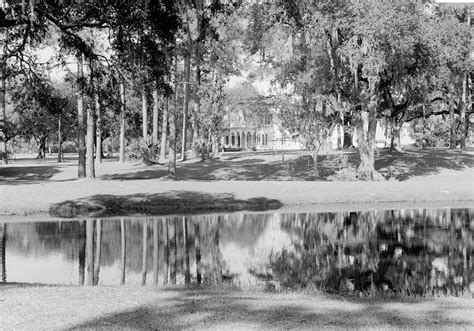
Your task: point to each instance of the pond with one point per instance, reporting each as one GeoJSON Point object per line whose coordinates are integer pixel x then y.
{"type": "Point", "coordinates": [412, 251]}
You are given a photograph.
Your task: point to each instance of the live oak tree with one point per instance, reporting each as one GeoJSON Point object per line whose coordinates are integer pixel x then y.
{"type": "Point", "coordinates": [44, 112]}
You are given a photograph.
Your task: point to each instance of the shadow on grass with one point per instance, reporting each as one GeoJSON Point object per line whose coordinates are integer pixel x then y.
{"type": "Point", "coordinates": [19, 175]}
{"type": "Point", "coordinates": [413, 163]}
{"type": "Point", "coordinates": [174, 202]}
{"type": "Point", "coordinates": [253, 169]}
{"type": "Point", "coordinates": [14, 285]}
{"type": "Point", "coordinates": [213, 309]}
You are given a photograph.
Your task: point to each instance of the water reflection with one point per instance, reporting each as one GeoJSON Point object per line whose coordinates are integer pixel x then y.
{"type": "Point", "coordinates": [414, 252]}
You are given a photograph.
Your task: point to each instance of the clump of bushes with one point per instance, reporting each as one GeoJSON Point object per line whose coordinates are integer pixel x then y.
{"type": "Point", "coordinates": [137, 150]}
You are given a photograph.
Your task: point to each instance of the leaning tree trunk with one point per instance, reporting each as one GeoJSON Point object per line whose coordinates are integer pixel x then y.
{"type": "Point", "coordinates": [90, 165]}
{"type": "Point", "coordinates": [164, 130]}
{"type": "Point", "coordinates": [3, 114]}
{"type": "Point", "coordinates": [187, 75]}
{"type": "Point", "coordinates": [366, 129]}
{"type": "Point", "coordinates": [122, 122]}
{"type": "Point", "coordinates": [81, 171]}
{"type": "Point", "coordinates": [155, 115]}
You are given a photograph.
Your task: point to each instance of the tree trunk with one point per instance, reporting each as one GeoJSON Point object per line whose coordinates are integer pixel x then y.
{"type": "Point", "coordinates": [60, 140]}
{"type": "Point", "coordinates": [41, 148]}
{"type": "Point", "coordinates": [156, 251]}
{"type": "Point", "coordinates": [164, 130]}
{"type": "Point", "coordinates": [124, 250]}
{"type": "Point", "coordinates": [90, 251]}
{"type": "Point", "coordinates": [395, 143]}
{"type": "Point", "coordinates": [172, 124]}
{"type": "Point", "coordinates": [314, 154]}
{"type": "Point", "coordinates": [197, 108]}
{"type": "Point", "coordinates": [3, 113]}
{"type": "Point", "coordinates": [81, 172]}
{"type": "Point", "coordinates": [187, 75]}
{"type": "Point", "coordinates": [122, 122]}
{"type": "Point", "coordinates": [3, 250]}
{"type": "Point", "coordinates": [156, 109]}
{"type": "Point", "coordinates": [452, 126]}
{"type": "Point", "coordinates": [97, 256]}
{"type": "Point", "coordinates": [366, 129]}
{"type": "Point", "coordinates": [172, 144]}
{"type": "Point", "coordinates": [145, 117]}
{"type": "Point", "coordinates": [464, 127]}
{"type": "Point", "coordinates": [90, 164]}
{"type": "Point", "coordinates": [98, 134]}
{"type": "Point", "coordinates": [197, 247]}
{"type": "Point", "coordinates": [144, 251]}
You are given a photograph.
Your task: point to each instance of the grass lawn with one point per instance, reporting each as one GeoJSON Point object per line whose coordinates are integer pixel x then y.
{"type": "Point", "coordinates": [65, 307]}
{"type": "Point", "coordinates": [436, 176]}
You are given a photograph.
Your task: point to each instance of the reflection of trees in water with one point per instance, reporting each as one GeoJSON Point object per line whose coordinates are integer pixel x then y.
{"type": "Point", "coordinates": [156, 250]}
{"type": "Point", "coordinates": [81, 242]}
{"type": "Point", "coordinates": [3, 256]}
{"type": "Point", "coordinates": [407, 251]}
{"type": "Point", "coordinates": [412, 252]}
{"type": "Point", "coordinates": [123, 255]}
{"type": "Point", "coordinates": [178, 249]}
{"type": "Point", "coordinates": [144, 250]}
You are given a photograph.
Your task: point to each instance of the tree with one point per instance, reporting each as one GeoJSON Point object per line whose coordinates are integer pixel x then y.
{"type": "Point", "coordinates": [42, 111]}
{"type": "Point", "coordinates": [313, 122]}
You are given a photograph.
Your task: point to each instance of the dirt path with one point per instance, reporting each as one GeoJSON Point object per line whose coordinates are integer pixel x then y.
{"type": "Point", "coordinates": [437, 177]}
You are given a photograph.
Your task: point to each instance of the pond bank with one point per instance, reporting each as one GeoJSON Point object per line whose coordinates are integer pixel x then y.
{"type": "Point", "coordinates": [33, 187]}
{"type": "Point", "coordinates": [104, 195]}
{"type": "Point", "coordinates": [135, 307]}
{"type": "Point", "coordinates": [202, 196]}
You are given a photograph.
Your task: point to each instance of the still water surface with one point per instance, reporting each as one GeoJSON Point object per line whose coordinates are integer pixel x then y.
{"type": "Point", "coordinates": [414, 252]}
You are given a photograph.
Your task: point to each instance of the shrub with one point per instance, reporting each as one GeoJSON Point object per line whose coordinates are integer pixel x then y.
{"type": "Point", "coordinates": [136, 150]}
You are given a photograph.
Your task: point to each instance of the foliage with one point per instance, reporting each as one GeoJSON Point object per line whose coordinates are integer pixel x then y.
{"type": "Point", "coordinates": [39, 104]}
{"type": "Point", "coordinates": [136, 150]}
{"type": "Point", "coordinates": [431, 132]}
